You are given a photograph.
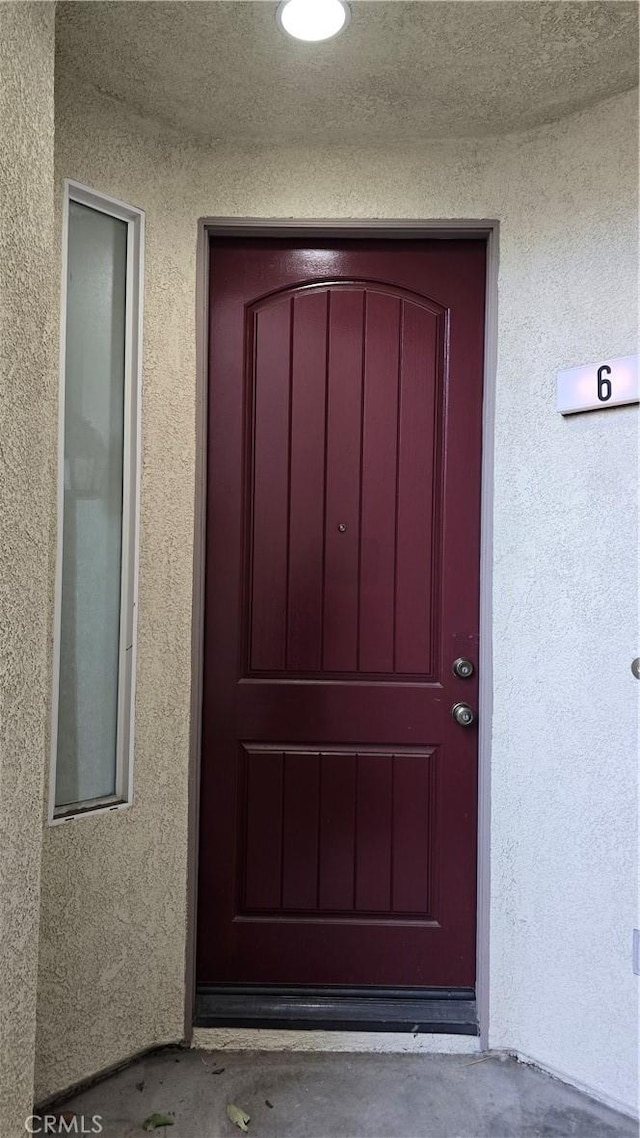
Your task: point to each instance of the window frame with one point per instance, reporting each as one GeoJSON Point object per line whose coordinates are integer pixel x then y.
{"type": "Point", "coordinates": [131, 467]}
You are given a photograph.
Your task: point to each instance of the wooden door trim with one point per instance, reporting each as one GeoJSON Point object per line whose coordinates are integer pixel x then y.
{"type": "Point", "coordinates": [395, 229]}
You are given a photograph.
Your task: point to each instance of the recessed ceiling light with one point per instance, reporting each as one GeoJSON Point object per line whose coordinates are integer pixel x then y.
{"type": "Point", "coordinates": [313, 20]}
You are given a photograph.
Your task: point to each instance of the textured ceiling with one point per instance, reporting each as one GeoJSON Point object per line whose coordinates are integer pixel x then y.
{"type": "Point", "coordinates": [223, 69]}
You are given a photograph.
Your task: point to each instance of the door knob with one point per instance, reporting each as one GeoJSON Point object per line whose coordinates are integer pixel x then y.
{"type": "Point", "coordinates": [463, 714]}
{"type": "Point", "coordinates": [462, 668]}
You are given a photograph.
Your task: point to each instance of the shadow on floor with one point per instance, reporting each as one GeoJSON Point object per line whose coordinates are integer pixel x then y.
{"type": "Point", "coordinates": [343, 1096]}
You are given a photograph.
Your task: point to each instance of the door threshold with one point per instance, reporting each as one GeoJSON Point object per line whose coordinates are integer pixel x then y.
{"type": "Point", "coordinates": [413, 1010]}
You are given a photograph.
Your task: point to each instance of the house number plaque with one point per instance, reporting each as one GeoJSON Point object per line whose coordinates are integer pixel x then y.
{"type": "Point", "coordinates": [608, 383]}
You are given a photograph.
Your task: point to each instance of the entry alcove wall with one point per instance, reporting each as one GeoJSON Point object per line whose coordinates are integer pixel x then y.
{"type": "Point", "coordinates": [563, 778]}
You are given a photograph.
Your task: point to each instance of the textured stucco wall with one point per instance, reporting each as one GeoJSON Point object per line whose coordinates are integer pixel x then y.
{"type": "Point", "coordinates": [564, 591]}
{"type": "Point", "coordinates": [26, 375]}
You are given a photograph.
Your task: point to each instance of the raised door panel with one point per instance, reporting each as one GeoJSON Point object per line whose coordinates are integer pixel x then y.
{"type": "Point", "coordinates": [338, 832]}
{"type": "Point", "coordinates": [344, 466]}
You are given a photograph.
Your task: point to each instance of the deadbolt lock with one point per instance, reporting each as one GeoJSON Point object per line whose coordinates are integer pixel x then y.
{"type": "Point", "coordinates": [462, 668]}
{"type": "Point", "coordinates": [463, 714]}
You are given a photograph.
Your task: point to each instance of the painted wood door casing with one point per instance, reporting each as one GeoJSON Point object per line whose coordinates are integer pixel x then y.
{"type": "Point", "coordinates": [338, 804]}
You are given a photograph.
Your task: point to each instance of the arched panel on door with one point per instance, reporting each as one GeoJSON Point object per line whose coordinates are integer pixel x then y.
{"type": "Point", "coordinates": [344, 453]}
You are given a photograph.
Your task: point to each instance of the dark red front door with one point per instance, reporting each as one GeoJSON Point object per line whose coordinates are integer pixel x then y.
{"type": "Point", "coordinates": [338, 804]}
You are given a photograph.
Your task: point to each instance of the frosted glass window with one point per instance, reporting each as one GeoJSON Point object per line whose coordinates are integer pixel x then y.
{"type": "Point", "coordinates": [95, 571]}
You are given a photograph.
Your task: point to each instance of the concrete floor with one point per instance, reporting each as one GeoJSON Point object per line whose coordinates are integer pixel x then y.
{"type": "Point", "coordinates": [344, 1096]}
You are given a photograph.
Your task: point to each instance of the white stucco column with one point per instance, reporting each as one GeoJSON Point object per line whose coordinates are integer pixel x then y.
{"type": "Point", "coordinates": [26, 370]}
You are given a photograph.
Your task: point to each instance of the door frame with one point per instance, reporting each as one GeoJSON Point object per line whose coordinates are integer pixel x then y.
{"type": "Point", "coordinates": [394, 229]}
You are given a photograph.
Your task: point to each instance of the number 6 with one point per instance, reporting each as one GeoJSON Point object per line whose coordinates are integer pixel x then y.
{"type": "Point", "coordinates": [604, 385]}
